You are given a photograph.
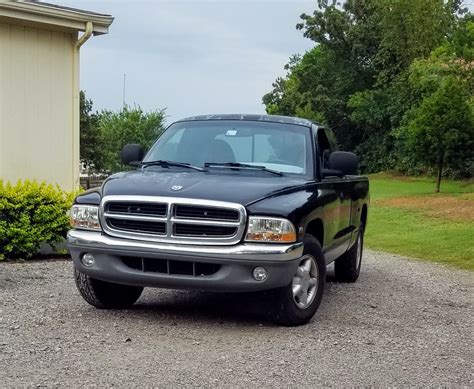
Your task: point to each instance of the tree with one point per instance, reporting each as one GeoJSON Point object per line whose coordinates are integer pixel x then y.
{"type": "Point", "coordinates": [356, 78]}
{"type": "Point", "coordinates": [90, 137]}
{"type": "Point", "coordinates": [103, 134]}
{"type": "Point", "coordinates": [411, 29]}
{"type": "Point", "coordinates": [131, 125]}
{"type": "Point", "coordinates": [462, 41]}
{"type": "Point", "coordinates": [317, 88]}
{"type": "Point", "coordinates": [439, 129]}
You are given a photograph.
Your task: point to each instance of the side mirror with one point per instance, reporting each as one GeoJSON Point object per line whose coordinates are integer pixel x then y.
{"type": "Point", "coordinates": [344, 162]}
{"type": "Point", "coordinates": [132, 154]}
{"type": "Point", "coordinates": [332, 173]}
{"type": "Point", "coordinates": [341, 163]}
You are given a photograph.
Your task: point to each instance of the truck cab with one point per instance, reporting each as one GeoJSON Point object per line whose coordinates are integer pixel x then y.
{"type": "Point", "coordinates": [232, 203]}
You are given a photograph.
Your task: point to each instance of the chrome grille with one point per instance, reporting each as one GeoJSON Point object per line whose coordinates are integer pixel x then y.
{"type": "Point", "coordinates": [197, 230]}
{"type": "Point", "coordinates": [146, 209]}
{"type": "Point", "coordinates": [169, 219]}
{"type": "Point", "coordinates": [137, 225]}
{"type": "Point", "coordinates": [209, 213]}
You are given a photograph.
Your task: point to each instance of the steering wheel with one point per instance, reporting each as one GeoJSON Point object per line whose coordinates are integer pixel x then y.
{"type": "Point", "coordinates": [278, 161]}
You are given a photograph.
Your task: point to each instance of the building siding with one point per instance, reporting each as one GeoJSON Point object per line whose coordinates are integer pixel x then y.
{"type": "Point", "coordinates": [39, 136]}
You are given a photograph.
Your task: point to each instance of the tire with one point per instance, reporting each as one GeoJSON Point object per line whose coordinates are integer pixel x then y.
{"type": "Point", "coordinates": [106, 295]}
{"type": "Point", "coordinates": [289, 308]}
{"type": "Point", "coordinates": [347, 266]}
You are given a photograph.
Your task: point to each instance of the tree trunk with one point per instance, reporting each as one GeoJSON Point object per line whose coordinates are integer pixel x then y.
{"type": "Point", "coordinates": [440, 171]}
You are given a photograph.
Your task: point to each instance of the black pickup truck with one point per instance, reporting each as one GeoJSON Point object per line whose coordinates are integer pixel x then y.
{"type": "Point", "coordinates": [233, 203]}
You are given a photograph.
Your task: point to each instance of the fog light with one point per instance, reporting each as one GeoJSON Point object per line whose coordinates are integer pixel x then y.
{"type": "Point", "coordinates": [260, 274]}
{"type": "Point", "coordinates": [88, 259]}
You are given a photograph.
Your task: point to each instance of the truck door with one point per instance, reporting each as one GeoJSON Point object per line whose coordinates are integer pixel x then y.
{"type": "Point", "coordinates": [337, 211]}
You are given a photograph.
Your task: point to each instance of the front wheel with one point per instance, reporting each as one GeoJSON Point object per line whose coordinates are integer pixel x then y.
{"type": "Point", "coordinates": [297, 302]}
{"type": "Point", "coordinates": [106, 295]}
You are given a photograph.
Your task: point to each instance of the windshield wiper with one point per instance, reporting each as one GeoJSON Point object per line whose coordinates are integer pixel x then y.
{"type": "Point", "coordinates": [237, 165]}
{"type": "Point", "coordinates": [166, 163]}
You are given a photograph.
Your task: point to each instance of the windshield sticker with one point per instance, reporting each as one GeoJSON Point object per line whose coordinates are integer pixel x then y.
{"type": "Point", "coordinates": [231, 133]}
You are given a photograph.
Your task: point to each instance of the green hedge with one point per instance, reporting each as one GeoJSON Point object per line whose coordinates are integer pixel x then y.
{"type": "Point", "coordinates": [31, 213]}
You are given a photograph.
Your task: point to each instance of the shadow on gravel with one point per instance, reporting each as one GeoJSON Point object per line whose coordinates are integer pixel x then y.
{"type": "Point", "coordinates": [251, 308]}
{"type": "Point", "coordinates": [242, 308]}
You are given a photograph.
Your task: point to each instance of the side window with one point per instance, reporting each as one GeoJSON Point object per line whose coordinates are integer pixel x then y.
{"type": "Point", "coordinates": [332, 139]}
{"type": "Point", "coordinates": [324, 148]}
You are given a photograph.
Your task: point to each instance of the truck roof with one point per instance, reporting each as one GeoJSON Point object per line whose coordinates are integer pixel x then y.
{"type": "Point", "coordinates": [253, 117]}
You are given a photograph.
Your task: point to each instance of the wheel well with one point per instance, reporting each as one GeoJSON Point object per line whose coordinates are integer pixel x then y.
{"type": "Point", "coordinates": [363, 216]}
{"type": "Point", "coordinates": [316, 228]}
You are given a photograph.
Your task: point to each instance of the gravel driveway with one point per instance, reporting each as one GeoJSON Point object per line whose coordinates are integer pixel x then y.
{"type": "Point", "coordinates": [403, 323]}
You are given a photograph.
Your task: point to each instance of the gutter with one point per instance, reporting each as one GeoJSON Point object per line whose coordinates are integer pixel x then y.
{"type": "Point", "coordinates": [65, 18]}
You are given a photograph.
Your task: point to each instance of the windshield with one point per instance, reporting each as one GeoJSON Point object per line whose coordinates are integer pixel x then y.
{"type": "Point", "coordinates": [281, 147]}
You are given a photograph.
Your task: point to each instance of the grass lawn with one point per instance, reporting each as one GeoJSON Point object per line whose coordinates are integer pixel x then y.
{"type": "Point", "coordinates": [406, 217]}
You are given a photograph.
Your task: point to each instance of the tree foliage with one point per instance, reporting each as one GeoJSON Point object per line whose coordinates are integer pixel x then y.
{"type": "Point", "coordinates": [373, 65]}
{"type": "Point", "coordinates": [439, 129]}
{"type": "Point", "coordinates": [103, 134]}
{"type": "Point", "coordinates": [131, 125]}
{"type": "Point", "coordinates": [90, 136]}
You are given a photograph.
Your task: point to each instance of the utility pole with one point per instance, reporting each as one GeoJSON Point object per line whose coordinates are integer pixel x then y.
{"type": "Point", "coordinates": [123, 95]}
{"type": "Point", "coordinates": [123, 110]}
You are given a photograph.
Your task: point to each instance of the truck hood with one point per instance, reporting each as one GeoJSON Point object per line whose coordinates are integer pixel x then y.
{"type": "Point", "coordinates": [231, 186]}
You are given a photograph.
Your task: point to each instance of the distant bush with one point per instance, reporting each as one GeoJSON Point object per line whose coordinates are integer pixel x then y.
{"type": "Point", "coordinates": [31, 213]}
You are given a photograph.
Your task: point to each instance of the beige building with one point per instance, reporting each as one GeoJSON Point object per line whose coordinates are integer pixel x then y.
{"type": "Point", "coordinates": [39, 89]}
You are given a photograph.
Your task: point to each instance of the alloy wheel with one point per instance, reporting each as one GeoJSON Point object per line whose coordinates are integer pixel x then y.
{"type": "Point", "coordinates": [305, 282]}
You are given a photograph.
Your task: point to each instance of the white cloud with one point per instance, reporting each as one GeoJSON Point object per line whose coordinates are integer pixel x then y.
{"type": "Point", "coordinates": [191, 56]}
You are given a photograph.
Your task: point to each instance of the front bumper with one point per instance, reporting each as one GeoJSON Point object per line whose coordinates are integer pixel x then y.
{"type": "Point", "coordinates": [234, 275]}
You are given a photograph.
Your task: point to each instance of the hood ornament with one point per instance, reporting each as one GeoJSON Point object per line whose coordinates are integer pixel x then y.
{"type": "Point", "coordinates": [177, 187]}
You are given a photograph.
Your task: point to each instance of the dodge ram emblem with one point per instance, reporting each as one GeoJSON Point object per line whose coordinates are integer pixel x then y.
{"type": "Point", "coordinates": [177, 187]}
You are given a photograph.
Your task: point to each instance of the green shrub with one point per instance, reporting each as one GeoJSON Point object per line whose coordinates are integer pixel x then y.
{"type": "Point", "coordinates": [31, 214]}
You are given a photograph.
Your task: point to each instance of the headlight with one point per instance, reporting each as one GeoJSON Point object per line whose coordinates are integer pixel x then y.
{"type": "Point", "coordinates": [270, 229]}
{"type": "Point", "coordinates": [85, 217]}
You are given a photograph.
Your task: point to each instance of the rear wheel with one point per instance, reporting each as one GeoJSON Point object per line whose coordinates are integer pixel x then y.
{"type": "Point", "coordinates": [106, 295]}
{"type": "Point", "coordinates": [347, 266]}
{"type": "Point", "coordinates": [297, 302]}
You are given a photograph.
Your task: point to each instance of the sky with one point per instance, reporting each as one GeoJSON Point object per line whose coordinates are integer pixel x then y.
{"type": "Point", "coordinates": [190, 56]}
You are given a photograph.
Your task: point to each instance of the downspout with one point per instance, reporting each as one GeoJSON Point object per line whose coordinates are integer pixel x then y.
{"type": "Point", "coordinates": [84, 37]}
{"type": "Point", "coordinates": [75, 109]}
